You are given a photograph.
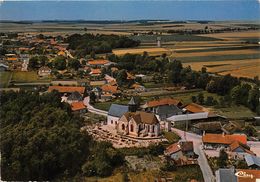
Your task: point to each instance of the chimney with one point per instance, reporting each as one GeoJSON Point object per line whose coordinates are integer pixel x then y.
{"type": "Point", "coordinates": [223, 134]}
{"type": "Point", "coordinates": [204, 132]}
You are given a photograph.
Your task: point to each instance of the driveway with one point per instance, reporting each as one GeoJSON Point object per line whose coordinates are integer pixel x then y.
{"type": "Point", "coordinates": [92, 109]}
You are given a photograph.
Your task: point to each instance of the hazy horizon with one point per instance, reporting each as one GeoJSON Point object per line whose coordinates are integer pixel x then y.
{"type": "Point", "coordinates": [130, 10]}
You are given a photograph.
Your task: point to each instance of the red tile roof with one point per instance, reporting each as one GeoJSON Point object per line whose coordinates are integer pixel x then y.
{"type": "Point", "coordinates": [244, 147]}
{"type": "Point", "coordinates": [95, 71]}
{"type": "Point", "coordinates": [64, 89]}
{"type": "Point", "coordinates": [98, 62]}
{"type": "Point", "coordinates": [195, 108]}
{"type": "Point", "coordinates": [224, 139]}
{"type": "Point", "coordinates": [110, 88]}
{"type": "Point", "coordinates": [75, 106]}
{"type": "Point", "coordinates": [164, 101]}
{"type": "Point", "coordinates": [173, 148]}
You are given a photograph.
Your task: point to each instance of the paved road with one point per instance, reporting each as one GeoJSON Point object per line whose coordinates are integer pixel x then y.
{"type": "Point", "coordinates": [92, 109]}
{"type": "Point", "coordinates": [202, 160]}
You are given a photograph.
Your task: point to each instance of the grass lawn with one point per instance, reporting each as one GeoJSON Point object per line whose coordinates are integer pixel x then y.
{"type": "Point", "coordinates": [171, 137]}
{"type": "Point", "coordinates": [30, 76]}
{"type": "Point", "coordinates": [4, 78]}
{"type": "Point", "coordinates": [106, 105]}
{"type": "Point", "coordinates": [235, 111]}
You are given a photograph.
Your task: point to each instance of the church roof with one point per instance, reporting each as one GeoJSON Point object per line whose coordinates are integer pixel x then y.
{"type": "Point", "coordinates": [117, 110]}
{"type": "Point", "coordinates": [142, 117]}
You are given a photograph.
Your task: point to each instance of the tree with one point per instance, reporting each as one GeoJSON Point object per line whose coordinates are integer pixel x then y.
{"type": "Point", "coordinates": [40, 142]}
{"type": "Point", "coordinates": [174, 74]}
{"type": "Point", "coordinates": [194, 99]}
{"type": "Point", "coordinates": [92, 97]}
{"type": "Point", "coordinates": [223, 158]}
{"type": "Point", "coordinates": [200, 98]}
{"type": "Point", "coordinates": [209, 101]}
{"type": "Point", "coordinates": [74, 64]}
{"type": "Point", "coordinates": [59, 63]}
{"type": "Point", "coordinates": [33, 62]}
{"type": "Point", "coordinates": [253, 98]}
{"type": "Point", "coordinates": [121, 77]}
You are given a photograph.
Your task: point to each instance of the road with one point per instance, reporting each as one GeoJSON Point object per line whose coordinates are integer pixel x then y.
{"type": "Point", "coordinates": [92, 109]}
{"type": "Point", "coordinates": [202, 160]}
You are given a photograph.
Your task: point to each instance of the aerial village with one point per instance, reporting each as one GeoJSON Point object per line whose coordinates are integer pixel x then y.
{"type": "Point", "coordinates": [190, 133]}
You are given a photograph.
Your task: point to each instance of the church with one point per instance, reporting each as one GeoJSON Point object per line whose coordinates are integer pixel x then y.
{"type": "Point", "coordinates": [128, 121]}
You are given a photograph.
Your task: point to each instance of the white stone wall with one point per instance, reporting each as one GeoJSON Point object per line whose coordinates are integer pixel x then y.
{"type": "Point", "coordinates": [112, 120]}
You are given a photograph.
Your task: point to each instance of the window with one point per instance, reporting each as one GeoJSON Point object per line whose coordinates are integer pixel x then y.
{"type": "Point", "coordinates": [131, 128]}
{"type": "Point", "coordinates": [123, 127]}
{"type": "Point", "coordinates": [111, 121]}
{"type": "Point", "coordinates": [153, 129]}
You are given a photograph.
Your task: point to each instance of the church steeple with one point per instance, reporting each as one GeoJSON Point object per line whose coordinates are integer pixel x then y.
{"type": "Point", "coordinates": [132, 105]}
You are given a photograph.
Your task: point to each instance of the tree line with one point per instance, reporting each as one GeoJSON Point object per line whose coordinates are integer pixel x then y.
{"type": "Point", "coordinates": [41, 141]}
{"type": "Point", "coordinates": [88, 43]}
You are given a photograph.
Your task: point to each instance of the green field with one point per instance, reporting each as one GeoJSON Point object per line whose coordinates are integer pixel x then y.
{"type": "Point", "coordinates": [4, 78]}
{"type": "Point", "coordinates": [106, 105]}
{"type": "Point", "coordinates": [174, 37]}
{"type": "Point", "coordinates": [20, 77]}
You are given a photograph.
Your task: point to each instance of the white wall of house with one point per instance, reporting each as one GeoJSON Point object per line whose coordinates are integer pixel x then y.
{"type": "Point", "coordinates": [112, 120]}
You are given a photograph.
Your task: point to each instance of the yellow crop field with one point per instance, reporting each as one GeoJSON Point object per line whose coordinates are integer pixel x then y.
{"type": "Point", "coordinates": [216, 53]}
{"type": "Point", "coordinates": [239, 68]}
{"type": "Point", "coordinates": [151, 51]}
{"type": "Point", "coordinates": [234, 35]}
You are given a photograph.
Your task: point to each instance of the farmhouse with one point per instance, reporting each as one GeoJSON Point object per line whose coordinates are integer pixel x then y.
{"type": "Point", "coordinates": [67, 89]}
{"type": "Point", "coordinates": [138, 124]}
{"type": "Point", "coordinates": [98, 63]}
{"type": "Point", "coordinates": [180, 149]}
{"type": "Point", "coordinates": [150, 106]}
{"type": "Point", "coordinates": [78, 107]}
{"type": "Point", "coordinates": [222, 140]}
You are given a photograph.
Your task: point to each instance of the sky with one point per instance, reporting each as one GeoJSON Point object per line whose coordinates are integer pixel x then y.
{"type": "Point", "coordinates": [131, 10]}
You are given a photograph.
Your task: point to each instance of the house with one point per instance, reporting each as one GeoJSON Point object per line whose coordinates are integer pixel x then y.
{"type": "Point", "coordinates": [237, 175]}
{"type": "Point", "coordinates": [221, 140]}
{"type": "Point", "coordinates": [44, 71]}
{"type": "Point", "coordinates": [240, 148]}
{"type": "Point", "coordinates": [78, 107]}
{"type": "Point", "coordinates": [138, 124]}
{"type": "Point", "coordinates": [165, 111]}
{"type": "Point", "coordinates": [225, 175]}
{"type": "Point", "coordinates": [100, 63]}
{"type": "Point", "coordinates": [74, 97]}
{"type": "Point", "coordinates": [115, 112]}
{"type": "Point", "coordinates": [208, 127]}
{"type": "Point", "coordinates": [252, 161]}
{"type": "Point", "coordinates": [137, 87]}
{"type": "Point", "coordinates": [3, 67]}
{"type": "Point", "coordinates": [194, 108]}
{"type": "Point", "coordinates": [150, 106]}
{"type": "Point", "coordinates": [95, 72]}
{"type": "Point", "coordinates": [67, 89]}
{"type": "Point", "coordinates": [180, 149]}
{"type": "Point", "coordinates": [110, 89]}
